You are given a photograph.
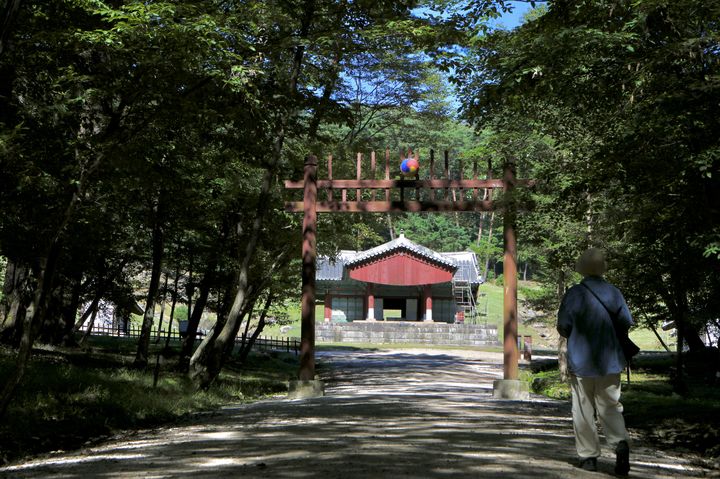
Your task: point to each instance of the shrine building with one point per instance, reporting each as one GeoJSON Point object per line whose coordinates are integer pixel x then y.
{"type": "Point", "coordinates": [398, 281]}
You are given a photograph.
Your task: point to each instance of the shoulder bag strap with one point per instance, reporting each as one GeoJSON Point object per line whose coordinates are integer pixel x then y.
{"type": "Point", "coordinates": [613, 316]}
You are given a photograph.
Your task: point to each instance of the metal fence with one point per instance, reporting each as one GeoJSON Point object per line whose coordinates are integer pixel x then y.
{"type": "Point", "coordinates": [262, 343]}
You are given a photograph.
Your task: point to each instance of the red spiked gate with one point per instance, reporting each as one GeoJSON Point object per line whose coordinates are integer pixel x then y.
{"type": "Point", "coordinates": [372, 195]}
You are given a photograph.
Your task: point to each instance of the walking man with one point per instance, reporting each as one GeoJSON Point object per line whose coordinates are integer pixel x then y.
{"type": "Point", "coordinates": [595, 360]}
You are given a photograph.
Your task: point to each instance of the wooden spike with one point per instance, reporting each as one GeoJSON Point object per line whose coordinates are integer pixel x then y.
{"type": "Point", "coordinates": [358, 192]}
{"type": "Point", "coordinates": [462, 173]}
{"type": "Point", "coordinates": [387, 172]}
{"type": "Point", "coordinates": [447, 173]}
{"type": "Point", "coordinates": [475, 177]}
{"type": "Point", "coordinates": [330, 177]}
{"type": "Point", "coordinates": [372, 173]}
{"type": "Point", "coordinates": [432, 173]}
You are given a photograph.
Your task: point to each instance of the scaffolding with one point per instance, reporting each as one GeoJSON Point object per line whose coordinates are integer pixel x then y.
{"type": "Point", "coordinates": [465, 301]}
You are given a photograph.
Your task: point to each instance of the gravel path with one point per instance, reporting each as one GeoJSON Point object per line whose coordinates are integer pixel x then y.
{"type": "Point", "coordinates": [404, 413]}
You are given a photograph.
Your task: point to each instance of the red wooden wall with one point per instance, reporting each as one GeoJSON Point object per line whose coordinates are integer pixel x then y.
{"type": "Point", "coordinates": [402, 269]}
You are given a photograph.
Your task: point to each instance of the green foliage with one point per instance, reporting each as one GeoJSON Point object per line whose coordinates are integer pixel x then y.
{"type": "Point", "coordinates": [548, 384]}
{"type": "Point", "coordinates": [488, 247]}
{"type": "Point", "coordinates": [542, 298]}
{"type": "Point", "coordinates": [437, 232]}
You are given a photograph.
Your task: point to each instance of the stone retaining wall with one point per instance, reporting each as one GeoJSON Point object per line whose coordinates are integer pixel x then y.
{"type": "Point", "coordinates": [377, 332]}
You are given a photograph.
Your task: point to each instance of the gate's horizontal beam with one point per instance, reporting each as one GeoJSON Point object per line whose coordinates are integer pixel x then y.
{"type": "Point", "coordinates": [391, 206]}
{"type": "Point", "coordinates": [382, 184]}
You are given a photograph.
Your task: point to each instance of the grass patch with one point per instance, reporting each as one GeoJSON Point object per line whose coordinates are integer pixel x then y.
{"type": "Point", "coordinates": [651, 408]}
{"type": "Point", "coordinates": [647, 340]}
{"type": "Point", "coordinates": [70, 397]}
{"type": "Point", "coordinates": [547, 383]}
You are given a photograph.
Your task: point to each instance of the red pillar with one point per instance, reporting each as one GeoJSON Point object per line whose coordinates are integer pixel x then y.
{"type": "Point", "coordinates": [307, 325]}
{"type": "Point", "coordinates": [510, 326]}
{"type": "Point", "coordinates": [328, 307]}
{"type": "Point", "coordinates": [427, 292]}
{"type": "Point", "coordinates": [370, 315]}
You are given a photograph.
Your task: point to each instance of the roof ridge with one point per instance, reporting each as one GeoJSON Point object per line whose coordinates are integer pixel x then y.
{"type": "Point", "coordinates": [401, 242]}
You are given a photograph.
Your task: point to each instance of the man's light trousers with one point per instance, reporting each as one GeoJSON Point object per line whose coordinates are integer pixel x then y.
{"type": "Point", "coordinates": [601, 394]}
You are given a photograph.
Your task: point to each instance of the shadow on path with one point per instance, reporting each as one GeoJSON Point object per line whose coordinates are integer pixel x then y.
{"type": "Point", "coordinates": [386, 414]}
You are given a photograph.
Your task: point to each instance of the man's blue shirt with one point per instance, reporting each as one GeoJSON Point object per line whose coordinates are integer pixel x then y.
{"type": "Point", "coordinates": [593, 347]}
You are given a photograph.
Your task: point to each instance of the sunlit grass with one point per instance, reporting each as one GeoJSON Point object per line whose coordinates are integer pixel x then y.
{"type": "Point", "coordinates": [647, 340]}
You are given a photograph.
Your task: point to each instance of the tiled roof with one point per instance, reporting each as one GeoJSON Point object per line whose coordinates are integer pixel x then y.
{"type": "Point", "coordinates": [401, 242]}
{"type": "Point", "coordinates": [464, 262]}
{"type": "Point", "coordinates": [331, 269]}
{"type": "Point", "coordinates": [467, 266]}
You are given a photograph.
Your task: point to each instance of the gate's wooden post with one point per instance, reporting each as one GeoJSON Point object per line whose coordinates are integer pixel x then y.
{"type": "Point", "coordinates": [307, 329]}
{"type": "Point", "coordinates": [510, 320]}
{"type": "Point", "coordinates": [510, 387]}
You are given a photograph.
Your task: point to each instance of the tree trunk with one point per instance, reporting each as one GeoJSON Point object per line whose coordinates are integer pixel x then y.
{"type": "Point", "coordinates": [679, 312]}
{"type": "Point", "coordinates": [190, 290]}
{"type": "Point", "coordinates": [242, 356]}
{"type": "Point", "coordinates": [390, 226]}
{"type": "Point", "coordinates": [483, 214]}
{"type": "Point", "coordinates": [247, 329]}
{"type": "Point", "coordinates": [93, 306]}
{"type": "Point", "coordinates": [209, 357]}
{"type": "Point", "coordinates": [172, 308]}
{"type": "Point", "coordinates": [246, 314]}
{"type": "Point", "coordinates": [91, 325]}
{"type": "Point", "coordinates": [70, 312]}
{"type": "Point", "coordinates": [162, 309]}
{"type": "Point", "coordinates": [222, 315]}
{"type": "Point", "coordinates": [652, 328]}
{"type": "Point", "coordinates": [104, 283]}
{"type": "Point", "coordinates": [480, 228]}
{"type": "Point", "coordinates": [14, 304]}
{"type": "Point", "coordinates": [678, 382]}
{"type": "Point", "coordinates": [560, 285]}
{"type": "Point", "coordinates": [188, 343]}
{"type": "Point", "coordinates": [48, 330]}
{"type": "Point", "coordinates": [562, 360]}
{"type": "Point", "coordinates": [328, 89]}
{"type": "Point", "coordinates": [158, 243]}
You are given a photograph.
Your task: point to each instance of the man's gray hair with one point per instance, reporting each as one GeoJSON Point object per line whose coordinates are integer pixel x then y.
{"type": "Point", "coordinates": [592, 262]}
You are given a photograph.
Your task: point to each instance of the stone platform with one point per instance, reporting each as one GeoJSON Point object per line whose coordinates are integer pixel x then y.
{"type": "Point", "coordinates": [414, 332]}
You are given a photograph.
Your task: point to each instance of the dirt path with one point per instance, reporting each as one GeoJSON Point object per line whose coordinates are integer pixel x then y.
{"type": "Point", "coordinates": [409, 414]}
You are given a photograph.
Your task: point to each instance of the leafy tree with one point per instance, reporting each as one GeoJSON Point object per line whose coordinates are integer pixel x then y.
{"type": "Point", "coordinates": [627, 93]}
{"type": "Point", "coordinates": [95, 92]}
{"type": "Point", "coordinates": [437, 232]}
